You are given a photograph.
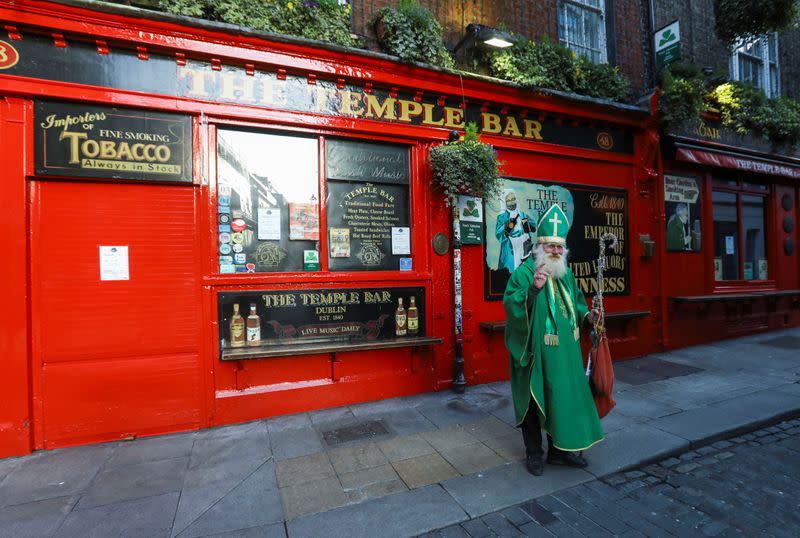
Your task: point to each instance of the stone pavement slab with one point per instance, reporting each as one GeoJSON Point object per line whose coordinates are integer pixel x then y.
{"type": "Point", "coordinates": [252, 503]}
{"type": "Point", "coordinates": [151, 517]}
{"type": "Point", "coordinates": [424, 470]}
{"type": "Point", "coordinates": [630, 446]}
{"type": "Point", "coordinates": [405, 447]}
{"type": "Point", "coordinates": [152, 449]}
{"type": "Point", "coordinates": [727, 417]}
{"type": "Point", "coordinates": [405, 514]}
{"type": "Point", "coordinates": [304, 469]}
{"type": "Point", "coordinates": [508, 485]}
{"type": "Point", "coordinates": [59, 473]}
{"type": "Point", "coordinates": [38, 518]}
{"type": "Point", "coordinates": [312, 497]}
{"type": "Point", "coordinates": [508, 447]}
{"type": "Point", "coordinates": [137, 481]}
{"type": "Point", "coordinates": [472, 458]}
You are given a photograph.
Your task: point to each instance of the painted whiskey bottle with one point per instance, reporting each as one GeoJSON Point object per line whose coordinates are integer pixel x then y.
{"type": "Point", "coordinates": [400, 319]}
{"type": "Point", "coordinates": [236, 328]}
{"type": "Point", "coordinates": [253, 327]}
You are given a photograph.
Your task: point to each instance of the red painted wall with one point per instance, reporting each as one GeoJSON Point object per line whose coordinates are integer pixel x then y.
{"type": "Point", "coordinates": [15, 418]}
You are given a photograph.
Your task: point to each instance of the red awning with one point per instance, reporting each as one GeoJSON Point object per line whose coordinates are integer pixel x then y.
{"type": "Point", "coordinates": [737, 162]}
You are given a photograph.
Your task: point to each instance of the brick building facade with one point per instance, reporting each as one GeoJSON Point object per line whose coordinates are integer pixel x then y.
{"type": "Point", "coordinates": [626, 26]}
{"type": "Point", "coordinates": [700, 46]}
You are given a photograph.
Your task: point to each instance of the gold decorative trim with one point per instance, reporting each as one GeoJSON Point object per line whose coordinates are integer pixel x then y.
{"type": "Point", "coordinates": [551, 239]}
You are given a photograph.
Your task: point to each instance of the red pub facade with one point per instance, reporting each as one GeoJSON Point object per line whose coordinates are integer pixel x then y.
{"type": "Point", "coordinates": [212, 226]}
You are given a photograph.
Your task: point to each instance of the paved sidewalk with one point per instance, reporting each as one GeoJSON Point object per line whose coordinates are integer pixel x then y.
{"type": "Point", "coordinates": [398, 467]}
{"type": "Point", "coordinates": [742, 486]}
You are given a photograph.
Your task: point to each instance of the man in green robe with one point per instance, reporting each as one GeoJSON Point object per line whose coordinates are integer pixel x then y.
{"type": "Point", "coordinates": [544, 310]}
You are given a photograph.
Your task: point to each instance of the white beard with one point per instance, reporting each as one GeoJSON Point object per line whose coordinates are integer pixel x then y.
{"type": "Point", "coordinates": [555, 265]}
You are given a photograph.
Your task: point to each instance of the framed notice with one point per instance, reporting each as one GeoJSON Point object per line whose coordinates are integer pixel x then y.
{"type": "Point", "coordinates": [591, 212]}
{"type": "Point", "coordinates": [285, 317]}
{"type": "Point", "coordinates": [684, 215]}
{"type": "Point", "coordinates": [78, 140]}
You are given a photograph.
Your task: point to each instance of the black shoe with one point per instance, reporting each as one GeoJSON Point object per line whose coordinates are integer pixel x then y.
{"type": "Point", "coordinates": [570, 459]}
{"type": "Point", "coordinates": [534, 464]}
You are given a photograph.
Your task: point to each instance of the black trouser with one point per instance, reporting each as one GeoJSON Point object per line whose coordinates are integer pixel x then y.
{"type": "Point", "coordinates": [532, 433]}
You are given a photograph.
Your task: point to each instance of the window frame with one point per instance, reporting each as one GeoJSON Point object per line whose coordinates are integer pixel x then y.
{"type": "Point", "coordinates": [763, 43]}
{"type": "Point", "coordinates": [741, 188]}
{"type": "Point", "coordinates": [416, 203]}
{"type": "Point", "coordinates": [601, 30]}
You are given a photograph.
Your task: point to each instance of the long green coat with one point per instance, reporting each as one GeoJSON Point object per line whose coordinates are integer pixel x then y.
{"type": "Point", "coordinates": [552, 374]}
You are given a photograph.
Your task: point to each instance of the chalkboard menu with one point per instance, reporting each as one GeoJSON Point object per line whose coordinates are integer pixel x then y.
{"type": "Point", "coordinates": [280, 317]}
{"type": "Point", "coordinates": [368, 206]}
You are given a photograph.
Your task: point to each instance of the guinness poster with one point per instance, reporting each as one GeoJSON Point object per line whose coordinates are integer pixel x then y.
{"type": "Point", "coordinates": [105, 142]}
{"type": "Point", "coordinates": [591, 211]}
{"type": "Point", "coordinates": [368, 199]}
{"type": "Point", "coordinates": [281, 317]}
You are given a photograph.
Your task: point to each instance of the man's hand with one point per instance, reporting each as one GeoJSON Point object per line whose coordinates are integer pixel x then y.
{"type": "Point", "coordinates": [540, 277]}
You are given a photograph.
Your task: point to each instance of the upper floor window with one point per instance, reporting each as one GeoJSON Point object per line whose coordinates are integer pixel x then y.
{"type": "Point", "coordinates": [582, 28]}
{"type": "Point", "coordinates": [755, 61]}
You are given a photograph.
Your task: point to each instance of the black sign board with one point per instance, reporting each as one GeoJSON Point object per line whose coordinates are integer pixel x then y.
{"type": "Point", "coordinates": [361, 218]}
{"type": "Point", "coordinates": [592, 212]}
{"type": "Point", "coordinates": [322, 315]}
{"type": "Point", "coordinates": [79, 63]}
{"type": "Point", "coordinates": [118, 143]}
{"type": "Point", "coordinates": [350, 160]}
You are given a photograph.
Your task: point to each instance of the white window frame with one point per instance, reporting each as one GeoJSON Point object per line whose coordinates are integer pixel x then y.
{"type": "Point", "coordinates": [576, 45]}
{"type": "Point", "coordinates": [762, 55]}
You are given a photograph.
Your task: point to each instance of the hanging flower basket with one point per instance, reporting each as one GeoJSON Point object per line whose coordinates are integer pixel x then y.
{"type": "Point", "coordinates": [466, 166]}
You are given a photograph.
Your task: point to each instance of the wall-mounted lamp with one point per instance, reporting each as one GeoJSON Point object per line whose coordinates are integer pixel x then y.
{"type": "Point", "coordinates": [478, 35]}
{"type": "Point", "coordinates": [479, 39]}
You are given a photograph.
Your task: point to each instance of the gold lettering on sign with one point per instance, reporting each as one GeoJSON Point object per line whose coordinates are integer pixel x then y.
{"type": "Point", "coordinates": [706, 131]}
{"type": "Point", "coordinates": [376, 110]}
{"type": "Point", "coordinates": [453, 117]}
{"type": "Point", "coordinates": [490, 123]}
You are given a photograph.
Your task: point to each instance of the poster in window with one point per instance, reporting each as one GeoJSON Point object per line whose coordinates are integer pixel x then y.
{"type": "Point", "coordinates": [340, 242]}
{"type": "Point", "coordinates": [682, 208]}
{"type": "Point", "coordinates": [304, 222]}
{"type": "Point", "coordinates": [511, 218]}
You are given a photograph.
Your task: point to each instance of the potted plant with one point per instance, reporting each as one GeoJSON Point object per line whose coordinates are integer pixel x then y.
{"type": "Point", "coordinates": [411, 32]}
{"type": "Point", "coordinates": [464, 165]}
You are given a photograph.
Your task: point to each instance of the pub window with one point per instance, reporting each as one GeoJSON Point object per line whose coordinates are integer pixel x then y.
{"type": "Point", "coordinates": [740, 249]}
{"type": "Point", "coordinates": [268, 204]}
{"type": "Point", "coordinates": [755, 60]}
{"type": "Point", "coordinates": [581, 27]}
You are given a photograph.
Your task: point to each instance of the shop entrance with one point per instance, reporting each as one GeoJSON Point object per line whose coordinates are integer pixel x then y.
{"type": "Point", "coordinates": [115, 309]}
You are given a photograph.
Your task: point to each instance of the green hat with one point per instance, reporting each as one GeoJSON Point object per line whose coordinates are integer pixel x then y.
{"type": "Point", "coordinates": [553, 226]}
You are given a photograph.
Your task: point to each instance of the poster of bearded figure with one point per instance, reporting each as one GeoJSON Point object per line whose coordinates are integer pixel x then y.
{"type": "Point", "coordinates": [511, 225]}
{"type": "Point", "coordinates": [511, 234]}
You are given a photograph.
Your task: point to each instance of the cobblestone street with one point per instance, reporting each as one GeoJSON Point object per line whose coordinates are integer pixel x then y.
{"type": "Point", "coordinates": [744, 486]}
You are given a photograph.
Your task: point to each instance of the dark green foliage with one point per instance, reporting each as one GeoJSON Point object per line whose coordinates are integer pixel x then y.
{"type": "Point", "coordinates": [549, 65]}
{"type": "Point", "coordinates": [323, 20]}
{"type": "Point", "coordinates": [737, 19]}
{"type": "Point", "coordinates": [746, 109]}
{"type": "Point", "coordinates": [683, 93]}
{"type": "Point", "coordinates": [412, 33]}
{"type": "Point", "coordinates": [466, 166]}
